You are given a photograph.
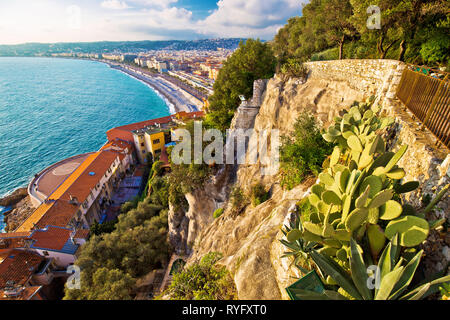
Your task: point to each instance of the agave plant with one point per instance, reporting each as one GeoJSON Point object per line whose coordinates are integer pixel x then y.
{"type": "Point", "coordinates": [298, 247]}
{"type": "Point", "coordinates": [392, 280]}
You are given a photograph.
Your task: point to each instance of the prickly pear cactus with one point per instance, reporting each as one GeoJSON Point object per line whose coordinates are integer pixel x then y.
{"type": "Point", "coordinates": [357, 196]}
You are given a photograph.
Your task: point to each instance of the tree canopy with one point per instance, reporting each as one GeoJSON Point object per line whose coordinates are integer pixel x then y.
{"type": "Point", "coordinates": [253, 60]}
{"type": "Point", "coordinates": [415, 31]}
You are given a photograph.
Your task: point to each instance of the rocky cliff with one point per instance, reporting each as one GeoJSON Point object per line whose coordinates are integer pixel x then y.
{"type": "Point", "coordinates": [250, 241]}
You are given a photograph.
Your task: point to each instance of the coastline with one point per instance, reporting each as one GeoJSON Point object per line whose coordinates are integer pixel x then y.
{"type": "Point", "coordinates": [21, 205]}
{"type": "Point", "coordinates": [176, 101]}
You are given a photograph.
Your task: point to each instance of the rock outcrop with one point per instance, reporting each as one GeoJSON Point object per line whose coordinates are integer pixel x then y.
{"type": "Point", "coordinates": [14, 198]}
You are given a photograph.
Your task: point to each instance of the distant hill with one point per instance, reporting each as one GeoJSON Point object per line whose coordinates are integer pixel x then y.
{"type": "Point", "coordinates": [45, 49]}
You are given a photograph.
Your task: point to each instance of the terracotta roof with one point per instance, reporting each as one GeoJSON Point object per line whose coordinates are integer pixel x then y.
{"type": "Point", "coordinates": [42, 210]}
{"type": "Point", "coordinates": [27, 293]}
{"type": "Point", "coordinates": [59, 211]}
{"type": "Point", "coordinates": [13, 240]}
{"type": "Point", "coordinates": [81, 188]}
{"type": "Point", "coordinates": [119, 144]}
{"type": "Point", "coordinates": [59, 214]}
{"type": "Point", "coordinates": [52, 238]}
{"type": "Point", "coordinates": [10, 235]}
{"type": "Point", "coordinates": [143, 124]}
{"type": "Point", "coordinates": [81, 234]}
{"type": "Point", "coordinates": [18, 266]}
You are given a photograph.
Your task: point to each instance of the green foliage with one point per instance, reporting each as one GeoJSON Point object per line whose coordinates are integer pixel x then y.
{"type": "Point", "coordinates": [294, 68]}
{"type": "Point", "coordinates": [127, 206]}
{"type": "Point", "coordinates": [106, 285]}
{"type": "Point", "coordinates": [238, 200]}
{"type": "Point", "coordinates": [445, 291]}
{"type": "Point", "coordinates": [298, 245]}
{"type": "Point", "coordinates": [253, 60]}
{"type": "Point", "coordinates": [218, 213]}
{"type": "Point", "coordinates": [258, 194]}
{"type": "Point", "coordinates": [395, 276]}
{"type": "Point", "coordinates": [106, 227]}
{"type": "Point", "coordinates": [303, 152]}
{"type": "Point", "coordinates": [137, 246]}
{"type": "Point", "coordinates": [205, 280]}
{"type": "Point", "coordinates": [414, 31]}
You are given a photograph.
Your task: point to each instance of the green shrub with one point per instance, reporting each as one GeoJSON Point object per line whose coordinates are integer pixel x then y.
{"type": "Point", "coordinates": [258, 194]}
{"type": "Point", "coordinates": [106, 227]}
{"type": "Point", "coordinates": [253, 60]}
{"type": "Point", "coordinates": [138, 245]}
{"type": "Point", "coordinates": [218, 213]}
{"type": "Point", "coordinates": [205, 280]}
{"type": "Point", "coordinates": [303, 152]}
{"type": "Point", "coordinates": [294, 68]}
{"type": "Point", "coordinates": [238, 200]}
{"type": "Point", "coordinates": [329, 54]}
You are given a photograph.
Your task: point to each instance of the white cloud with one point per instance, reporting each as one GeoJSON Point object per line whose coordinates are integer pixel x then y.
{"type": "Point", "coordinates": [47, 20]}
{"type": "Point", "coordinates": [115, 5]}
{"type": "Point", "coordinates": [250, 16]}
{"type": "Point", "coordinates": [154, 3]}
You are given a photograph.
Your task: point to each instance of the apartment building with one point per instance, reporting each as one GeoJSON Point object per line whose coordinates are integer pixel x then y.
{"type": "Point", "coordinates": [149, 137]}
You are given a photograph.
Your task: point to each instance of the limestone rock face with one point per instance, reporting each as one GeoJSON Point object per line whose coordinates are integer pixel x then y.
{"type": "Point", "coordinates": [246, 241]}
{"type": "Point", "coordinates": [184, 226]}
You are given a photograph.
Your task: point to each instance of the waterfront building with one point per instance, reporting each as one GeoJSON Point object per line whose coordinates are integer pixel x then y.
{"type": "Point", "coordinates": [23, 274]}
{"type": "Point", "coordinates": [149, 137]}
{"type": "Point", "coordinates": [82, 198]}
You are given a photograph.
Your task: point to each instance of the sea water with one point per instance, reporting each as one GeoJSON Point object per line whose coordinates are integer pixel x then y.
{"type": "Point", "coordinates": [52, 109]}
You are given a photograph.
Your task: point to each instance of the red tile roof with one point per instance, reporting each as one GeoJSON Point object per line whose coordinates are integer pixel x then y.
{"type": "Point", "coordinates": [18, 266]}
{"type": "Point", "coordinates": [62, 212]}
{"type": "Point", "coordinates": [13, 240]}
{"type": "Point", "coordinates": [124, 132]}
{"type": "Point", "coordinates": [53, 238]}
{"type": "Point", "coordinates": [81, 234]}
{"type": "Point", "coordinates": [27, 293]}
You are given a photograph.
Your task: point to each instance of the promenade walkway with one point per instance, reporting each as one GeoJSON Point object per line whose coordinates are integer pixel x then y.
{"type": "Point", "coordinates": [49, 179]}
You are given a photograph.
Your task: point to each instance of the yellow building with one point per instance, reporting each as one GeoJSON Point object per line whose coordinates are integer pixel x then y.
{"type": "Point", "coordinates": [152, 139]}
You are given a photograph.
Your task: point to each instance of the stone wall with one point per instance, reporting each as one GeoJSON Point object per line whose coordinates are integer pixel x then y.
{"type": "Point", "coordinates": [373, 77]}
{"type": "Point", "coordinates": [248, 110]}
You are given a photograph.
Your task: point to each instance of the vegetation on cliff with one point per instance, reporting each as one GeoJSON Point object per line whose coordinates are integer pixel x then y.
{"type": "Point", "coordinates": [136, 246]}
{"type": "Point", "coordinates": [302, 152]}
{"type": "Point", "coordinates": [354, 210]}
{"type": "Point", "coordinates": [119, 252]}
{"type": "Point", "coordinates": [253, 60]}
{"type": "Point", "coordinates": [204, 280]}
{"type": "Point", "coordinates": [414, 31]}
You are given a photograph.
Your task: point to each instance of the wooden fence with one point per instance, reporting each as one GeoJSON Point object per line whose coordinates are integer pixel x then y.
{"type": "Point", "coordinates": [428, 98]}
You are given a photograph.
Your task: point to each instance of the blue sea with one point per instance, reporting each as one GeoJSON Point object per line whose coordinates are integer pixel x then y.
{"type": "Point", "coordinates": [51, 109]}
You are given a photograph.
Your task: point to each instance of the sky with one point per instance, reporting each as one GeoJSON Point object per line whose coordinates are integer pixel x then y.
{"type": "Point", "coordinates": [50, 21]}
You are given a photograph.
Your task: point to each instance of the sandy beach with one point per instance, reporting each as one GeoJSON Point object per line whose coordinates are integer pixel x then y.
{"type": "Point", "coordinates": [176, 98]}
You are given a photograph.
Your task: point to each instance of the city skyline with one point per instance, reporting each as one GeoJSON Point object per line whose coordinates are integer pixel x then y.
{"type": "Point", "coordinates": [51, 21]}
